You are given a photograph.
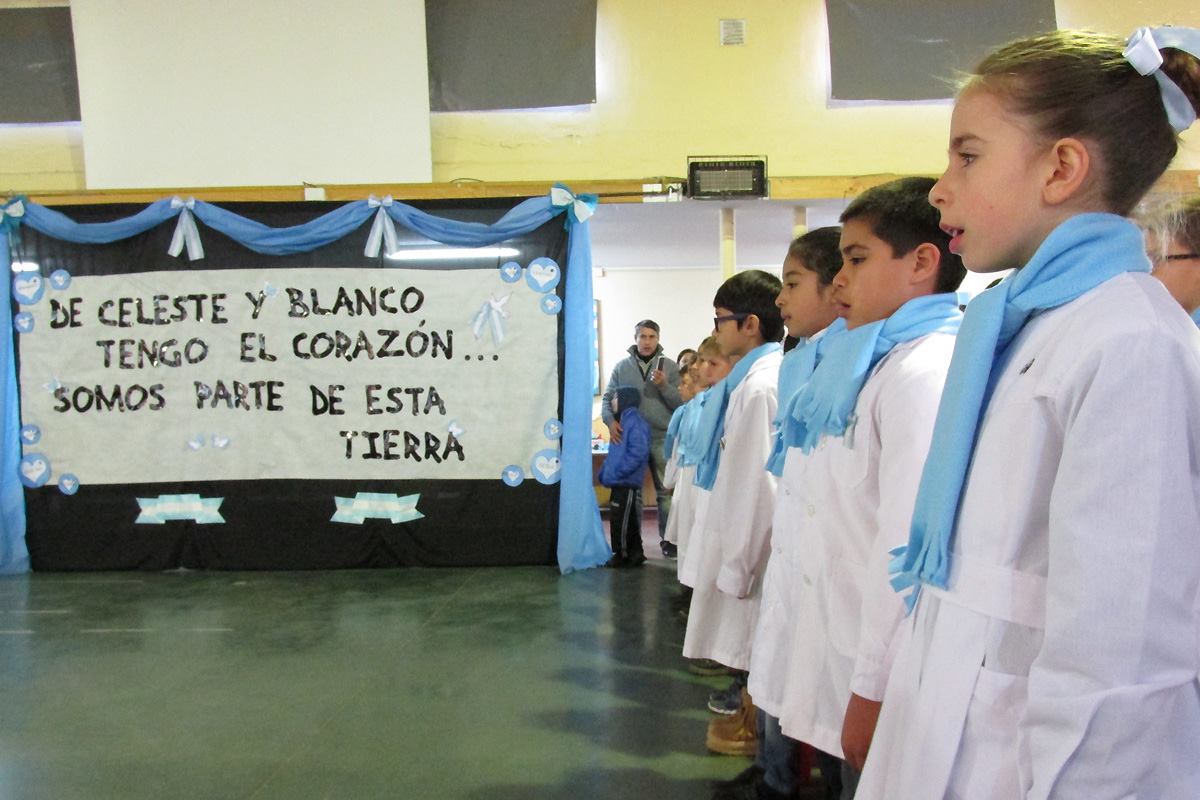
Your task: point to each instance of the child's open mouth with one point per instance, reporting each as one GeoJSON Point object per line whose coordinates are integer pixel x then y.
{"type": "Point", "coordinates": [955, 237]}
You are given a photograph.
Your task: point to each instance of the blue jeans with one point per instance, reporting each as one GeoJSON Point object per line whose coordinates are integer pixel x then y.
{"type": "Point", "coordinates": [776, 755]}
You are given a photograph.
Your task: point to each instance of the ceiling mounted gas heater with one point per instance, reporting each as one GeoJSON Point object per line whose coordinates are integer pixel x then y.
{"type": "Point", "coordinates": [722, 177]}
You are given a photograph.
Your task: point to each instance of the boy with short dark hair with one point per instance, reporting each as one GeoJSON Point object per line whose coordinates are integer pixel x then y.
{"type": "Point", "coordinates": [623, 471]}
{"type": "Point", "coordinates": [736, 429]}
{"type": "Point", "coordinates": [864, 423]}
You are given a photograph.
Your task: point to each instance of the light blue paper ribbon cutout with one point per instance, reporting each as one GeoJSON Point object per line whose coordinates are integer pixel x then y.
{"type": "Point", "coordinates": [383, 230]}
{"type": "Point", "coordinates": [1142, 51]}
{"type": "Point", "coordinates": [186, 233]}
{"type": "Point", "coordinates": [490, 317]}
{"type": "Point", "coordinates": [157, 510]}
{"type": "Point", "coordinates": [376, 505]}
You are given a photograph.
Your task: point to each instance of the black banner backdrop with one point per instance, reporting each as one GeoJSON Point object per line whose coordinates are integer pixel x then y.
{"type": "Point", "coordinates": [281, 522]}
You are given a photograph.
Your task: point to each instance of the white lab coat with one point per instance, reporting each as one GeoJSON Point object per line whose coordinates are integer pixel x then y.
{"type": "Point", "coordinates": [777, 610]}
{"type": "Point", "coordinates": [736, 526]}
{"type": "Point", "coordinates": [688, 568]}
{"type": "Point", "coordinates": [842, 507]}
{"type": "Point", "coordinates": [683, 513]}
{"type": "Point", "coordinates": [1062, 660]}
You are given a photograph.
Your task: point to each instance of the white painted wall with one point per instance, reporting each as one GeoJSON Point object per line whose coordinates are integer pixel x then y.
{"type": "Point", "coordinates": [252, 92]}
{"type": "Point", "coordinates": [679, 300]}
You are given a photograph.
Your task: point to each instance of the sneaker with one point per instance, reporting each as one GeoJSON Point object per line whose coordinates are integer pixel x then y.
{"type": "Point", "coordinates": [726, 701]}
{"type": "Point", "coordinates": [706, 667]}
{"type": "Point", "coordinates": [751, 774]}
{"type": "Point", "coordinates": [669, 550]}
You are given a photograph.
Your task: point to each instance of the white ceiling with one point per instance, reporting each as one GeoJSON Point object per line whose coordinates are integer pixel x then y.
{"type": "Point", "coordinates": [687, 234]}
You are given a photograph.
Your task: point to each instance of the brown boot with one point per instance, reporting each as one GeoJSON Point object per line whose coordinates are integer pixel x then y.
{"type": "Point", "coordinates": [736, 735]}
{"type": "Point", "coordinates": [724, 727]}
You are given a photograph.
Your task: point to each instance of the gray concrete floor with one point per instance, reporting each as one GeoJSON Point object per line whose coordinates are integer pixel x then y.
{"type": "Point", "coordinates": [491, 684]}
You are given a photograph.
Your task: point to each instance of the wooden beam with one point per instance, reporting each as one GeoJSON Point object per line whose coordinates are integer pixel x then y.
{"type": "Point", "coordinates": [626, 191]}
{"type": "Point", "coordinates": [819, 187]}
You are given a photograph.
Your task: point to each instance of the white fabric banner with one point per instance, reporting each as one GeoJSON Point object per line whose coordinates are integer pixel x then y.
{"type": "Point", "coordinates": [301, 374]}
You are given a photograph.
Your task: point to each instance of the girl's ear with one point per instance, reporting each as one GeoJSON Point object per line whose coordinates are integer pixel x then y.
{"type": "Point", "coordinates": [1069, 169]}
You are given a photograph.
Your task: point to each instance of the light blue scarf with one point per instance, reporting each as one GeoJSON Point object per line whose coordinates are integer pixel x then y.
{"type": "Point", "coordinates": [824, 405]}
{"type": "Point", "coordinates": [689, 447]}
{"type": "Point", "coordinates": [674, 428]}
{"type": "Point", "coordinates": [1077, 256]}
{"type": "Point", "coordinates": [795, 370]}
{"type": "Point", "coordinates": [711, 426]}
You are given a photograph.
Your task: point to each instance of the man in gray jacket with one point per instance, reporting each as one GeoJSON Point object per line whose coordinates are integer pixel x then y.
{"type": "Point", "coordinates": [658, 378]}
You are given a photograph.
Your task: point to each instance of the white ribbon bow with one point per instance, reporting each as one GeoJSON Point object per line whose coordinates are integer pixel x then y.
{"type": "Point", "coordinates": [15, 209]}
{"type": "Point", "coordinates": [563, 197]}
{"type": "Point", "coordinates": [383, 230]}
{"type": "Point", "coordinates": [491, 315]}
{"type": "Point", "coordinates": [186, 233]}
{"type": "Point", "coordinates": [1143, 52]}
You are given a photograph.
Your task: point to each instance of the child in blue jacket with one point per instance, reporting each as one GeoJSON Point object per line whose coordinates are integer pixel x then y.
{"type": "Point", "coordinates": [624, 470]}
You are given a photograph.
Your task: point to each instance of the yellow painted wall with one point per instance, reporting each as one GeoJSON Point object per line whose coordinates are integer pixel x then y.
{"type": "Point", "coordinates": [667, 90]}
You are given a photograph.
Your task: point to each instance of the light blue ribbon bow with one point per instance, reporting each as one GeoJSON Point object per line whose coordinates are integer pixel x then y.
{"type": "Point", "coordinates": [10, 218]}
{"type": "Point", "coordinates": [1143, 52]}
{"type": "Point", "coordinates": [579, 207]}
{"type": "Point", "coordinates": [12, 213]}
{"type": "Point", "coordinates": [383, 230]}
{"type": "Point", "coordinates": [490, 317]}
{"type": "Point", "coordinates": [186, 233]}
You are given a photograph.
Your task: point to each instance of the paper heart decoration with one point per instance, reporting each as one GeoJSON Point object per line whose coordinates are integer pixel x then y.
{"type": "Point", "coordinates": [60, 279]}
{"type": "Point", "coordinates": [548, 467]}
{"type": "Point", "coordinates": [30, 434]}
{"type": "Point", "coordinates": [68, 484]}
{"type": "Point", "coordinates": [455, 429]}
{"type": "Point", "coordinates": [512, 475]}
{"type": "Point", "coordinates": [35, 470]}
{"type": "Point", "coordinates": [220, 442]}
{"type": "Point", "coordinates": [542, 274]}
{"type": "Point", "coordinates": [28, 289]}
{"type": "Point", "coordinates": [23, 322]}
{"type": "Point", "coordinates": [196, 443]}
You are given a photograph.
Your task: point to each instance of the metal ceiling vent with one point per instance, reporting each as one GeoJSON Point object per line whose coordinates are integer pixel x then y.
{"type": "Point", "coordinates": [733, 31]}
